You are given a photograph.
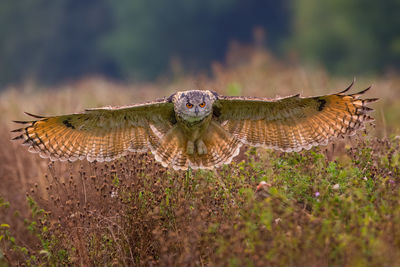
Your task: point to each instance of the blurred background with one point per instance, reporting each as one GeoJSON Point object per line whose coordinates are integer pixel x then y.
{"type": "Point", "coordinates": [53, 42]}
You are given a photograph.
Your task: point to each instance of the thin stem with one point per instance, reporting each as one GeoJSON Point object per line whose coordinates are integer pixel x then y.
{"type": "Point", "coordinates": [188, 176]}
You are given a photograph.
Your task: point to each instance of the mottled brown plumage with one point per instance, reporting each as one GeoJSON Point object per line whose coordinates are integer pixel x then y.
{"type": "Point", "coordinates": [197, 129]}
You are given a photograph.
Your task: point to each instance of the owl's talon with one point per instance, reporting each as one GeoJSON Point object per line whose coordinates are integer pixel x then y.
{"type": "Point", "coordinates": [201, 147]}
{"type": "Point", "coordinates": [190, 147]}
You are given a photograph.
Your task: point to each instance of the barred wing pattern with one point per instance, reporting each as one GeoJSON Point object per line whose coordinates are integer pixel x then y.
{"type": "Point", "coordinates": [293, 123]}
{"type": "Point", "coordinates": [288, 124]}
{"type": "Point", "coordinates": [101, 134]}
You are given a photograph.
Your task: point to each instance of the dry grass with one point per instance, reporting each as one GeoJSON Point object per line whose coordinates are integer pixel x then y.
{"type": "Point", "coordinates": [134, 212]}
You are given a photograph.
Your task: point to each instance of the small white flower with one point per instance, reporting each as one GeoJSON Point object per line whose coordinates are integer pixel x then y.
{"type": "Point", "coordinates": [335, 187]}
{"type": "Point", "coordinates": [114, 194]}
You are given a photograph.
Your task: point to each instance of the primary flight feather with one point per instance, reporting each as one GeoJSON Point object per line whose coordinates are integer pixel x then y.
{"type": "Point", "coordinates": [197, 129]}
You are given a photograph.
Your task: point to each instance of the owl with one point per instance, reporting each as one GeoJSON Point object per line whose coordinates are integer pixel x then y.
{"type": "Point", "coordinates": [196, 129]}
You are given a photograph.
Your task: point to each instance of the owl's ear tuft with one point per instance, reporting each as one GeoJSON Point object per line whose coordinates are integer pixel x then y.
{"type": "Point", "coordinates": [170, 98]}
{"type": "Point", "coordinates": [215, 94]}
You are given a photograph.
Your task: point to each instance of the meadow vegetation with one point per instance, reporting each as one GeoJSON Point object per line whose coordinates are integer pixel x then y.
{"type": "Point", "coordinates": [334, 205]}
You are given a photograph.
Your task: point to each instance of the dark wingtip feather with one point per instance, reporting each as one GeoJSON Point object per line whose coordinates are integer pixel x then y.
{"type": "Point", "coordinates": [361, 92]}
{"type": "Point", "coordinates": [348, 87]}
{"type": "Point", "coordinates": [33, 115]}
{"type": "Point", "coordinates": [369, 119]}
{"type": "Point", "coordinates": [367, 109]}
{"type": "Point", "coordinates": [370, 100]}
{"type": "Point", "coordinates": [18, 137]}
{"type": "Point", "coordinates": [22, 122]}
{"type": "Point", "coordinates": [17, 130]}
{"type": "Point", "coordinates": [27, 141]}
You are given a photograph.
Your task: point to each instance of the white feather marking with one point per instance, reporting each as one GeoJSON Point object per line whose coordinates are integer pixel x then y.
{"type": "Point", "coordinates": [156, 131]}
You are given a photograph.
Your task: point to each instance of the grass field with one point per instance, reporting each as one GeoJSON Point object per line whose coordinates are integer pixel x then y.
{"type": "Point", "coordinates": [334, 205]}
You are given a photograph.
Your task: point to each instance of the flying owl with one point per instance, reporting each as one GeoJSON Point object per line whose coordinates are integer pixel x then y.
{"type": "Point", "coordinates": [196, 129]}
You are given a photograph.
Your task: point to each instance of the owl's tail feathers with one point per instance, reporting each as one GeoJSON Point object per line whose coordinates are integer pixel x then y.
{"type": "Point", "coordinates": [221, 146]}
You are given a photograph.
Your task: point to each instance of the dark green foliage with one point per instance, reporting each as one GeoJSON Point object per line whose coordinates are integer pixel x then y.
{"type": "Point", "coordinates": [53, 41]}
{"type": "Point", "coordinates": [50, 41]}
{"type": "Point", "coordinates": [348, 37]}
{"type": "Point", "coordinates": [148, 34]}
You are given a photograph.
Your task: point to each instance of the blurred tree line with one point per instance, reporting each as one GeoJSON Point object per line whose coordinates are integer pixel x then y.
{"type": "Point", "coordinates": [53, 41]}
{"type": "Point", "coordinates": [357, 36]}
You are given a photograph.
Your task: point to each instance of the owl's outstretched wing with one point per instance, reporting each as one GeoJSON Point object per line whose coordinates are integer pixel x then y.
{"type": "Point", "coordinates": [101, 134]}
{"type": "Point", "coordinates": [293, 123]}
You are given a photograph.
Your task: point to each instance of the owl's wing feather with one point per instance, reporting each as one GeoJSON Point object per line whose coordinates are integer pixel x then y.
{"type": "Point", "coordinates": [101, 134]}
{"type": "Point", "coordinates": [293, 123]}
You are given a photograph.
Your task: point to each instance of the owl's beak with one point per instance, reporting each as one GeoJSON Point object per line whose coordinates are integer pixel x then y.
{"type": "Point", "coordinates": [196, 110]}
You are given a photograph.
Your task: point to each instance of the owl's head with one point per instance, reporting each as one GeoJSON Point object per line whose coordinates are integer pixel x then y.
{"type": "Point", "coordinates": [194, 105]}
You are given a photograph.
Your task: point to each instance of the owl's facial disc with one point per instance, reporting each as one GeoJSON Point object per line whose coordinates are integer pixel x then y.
{"type": "Point", "coordinates": [194, 105]}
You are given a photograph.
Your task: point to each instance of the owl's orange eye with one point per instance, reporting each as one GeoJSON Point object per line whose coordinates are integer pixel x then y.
{"type": "Point", "coordinates": [202, 105]}
{"type": "Point", "coordinates": [188, 105]}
